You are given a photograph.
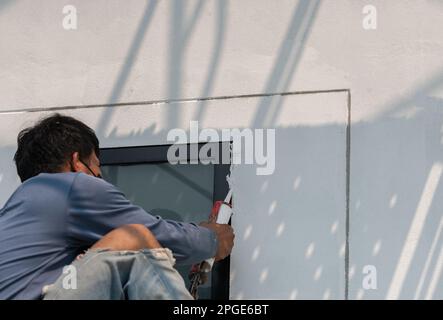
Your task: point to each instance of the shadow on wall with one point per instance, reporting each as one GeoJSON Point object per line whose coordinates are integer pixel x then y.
{"type": "Point", "coordinates": [131, 56]}
{"type": "Point", "coordinates": [396, 198]}
{"type": "Point", "coordinates": [5, 3]}
{"type": "Point", "coordinates": [180, 36]}
{"type": "Point", "coordinates": [396, 193]}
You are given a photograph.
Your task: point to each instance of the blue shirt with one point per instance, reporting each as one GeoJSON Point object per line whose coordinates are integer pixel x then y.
{"type": "Point", "coordinates": [53, 217]}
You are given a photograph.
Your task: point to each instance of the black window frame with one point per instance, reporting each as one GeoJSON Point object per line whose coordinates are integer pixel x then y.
{"type": "Point", "coordinates": [131, 155]}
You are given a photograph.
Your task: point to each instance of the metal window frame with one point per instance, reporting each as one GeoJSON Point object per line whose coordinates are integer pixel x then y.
{"type": "Point", "coordinates": [132, 155]}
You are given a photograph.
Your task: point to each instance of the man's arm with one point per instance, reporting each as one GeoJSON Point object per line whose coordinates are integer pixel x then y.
{"type": "Point", "coordinates": [97, 207]}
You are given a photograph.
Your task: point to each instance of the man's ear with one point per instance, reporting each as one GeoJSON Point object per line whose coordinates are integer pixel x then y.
{"type": "Point", "coordinates": [75, 163]}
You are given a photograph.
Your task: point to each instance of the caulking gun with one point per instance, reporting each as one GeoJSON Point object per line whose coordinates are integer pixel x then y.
{"type": "Point", "coordinates": [221, 213]}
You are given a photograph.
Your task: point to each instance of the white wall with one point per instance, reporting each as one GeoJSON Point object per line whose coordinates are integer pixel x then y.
{"type": "Point", "coordinates": [139, 51]}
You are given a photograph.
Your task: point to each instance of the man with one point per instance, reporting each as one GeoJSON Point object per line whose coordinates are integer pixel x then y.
{"type": "Point", "coordinates": [63, 208]}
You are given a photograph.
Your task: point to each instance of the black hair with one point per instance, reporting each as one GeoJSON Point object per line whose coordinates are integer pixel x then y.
{"type": "Point", "coordinates": [48, 146]}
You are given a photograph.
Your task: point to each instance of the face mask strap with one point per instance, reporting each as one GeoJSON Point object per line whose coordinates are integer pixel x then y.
{"type": "Point", "coordinates": [95, 175]}
{"type": "Point", "coordinates": [72, 166]}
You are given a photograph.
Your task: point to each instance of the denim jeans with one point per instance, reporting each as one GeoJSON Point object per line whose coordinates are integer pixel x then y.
{"type": "Point", "coordinates": [102, 274]}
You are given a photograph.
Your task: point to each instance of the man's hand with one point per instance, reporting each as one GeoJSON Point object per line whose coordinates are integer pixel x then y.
{"type": "Point", "coordinates": [225, 236]}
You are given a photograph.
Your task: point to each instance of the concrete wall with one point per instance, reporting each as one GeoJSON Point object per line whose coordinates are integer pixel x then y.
{"type": "Point", "coordinates": [291, 226]}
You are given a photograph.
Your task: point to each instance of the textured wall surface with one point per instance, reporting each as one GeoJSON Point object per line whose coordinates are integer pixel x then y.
{"type": "Point", "coordinates": [138, 52]}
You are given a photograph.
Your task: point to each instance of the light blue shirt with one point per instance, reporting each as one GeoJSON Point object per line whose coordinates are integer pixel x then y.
{"type": "Point", "coordinates": [53, 217]}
